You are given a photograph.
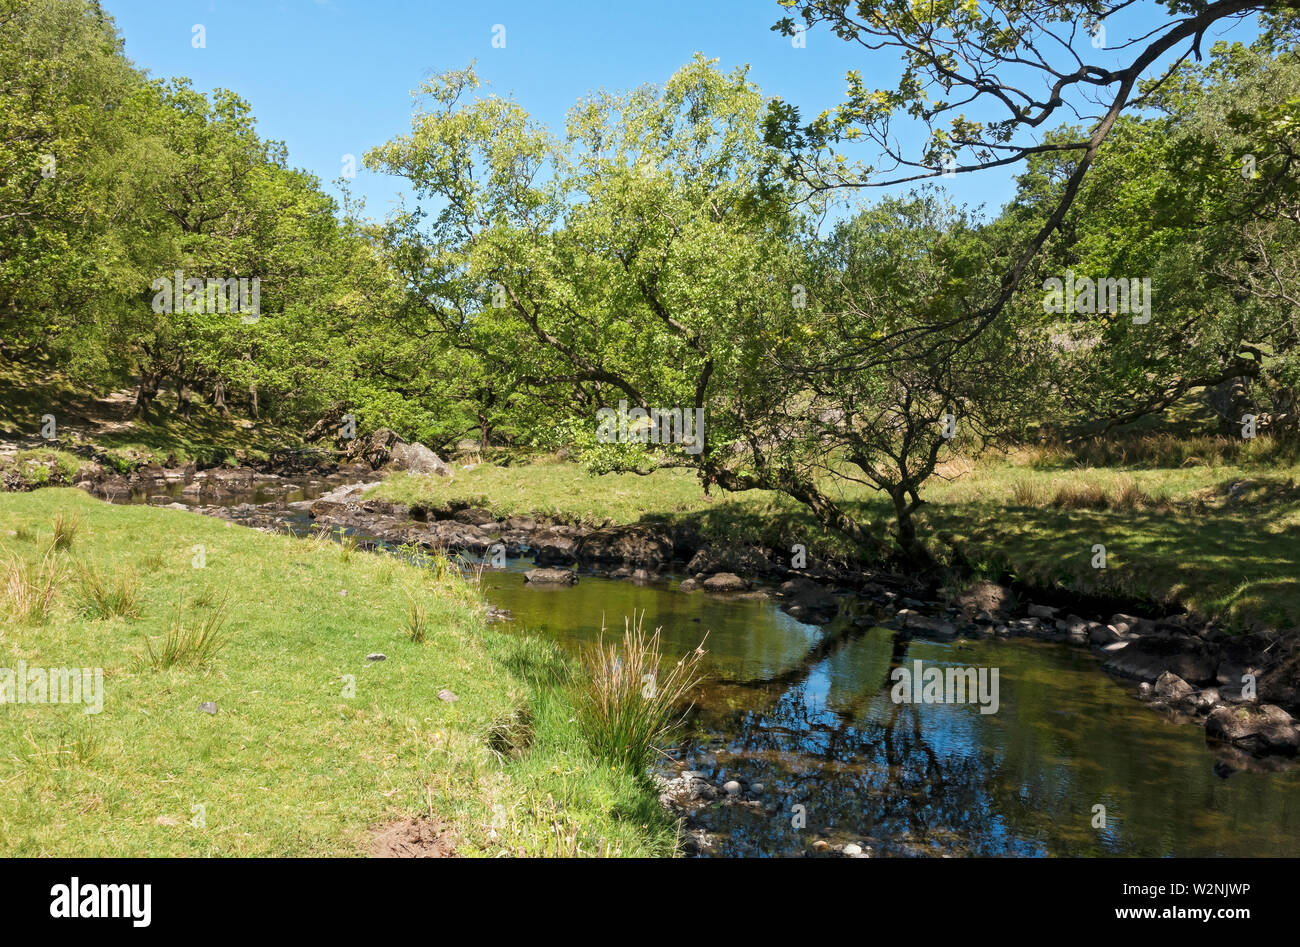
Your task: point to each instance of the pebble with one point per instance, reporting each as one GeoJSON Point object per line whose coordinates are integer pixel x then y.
{"type": "Point", "coordinates": [731, 787]}
{"type": "Point", "coordinates": [852, 850]}
{"type": "Point", "coordinates": [376, 657]}
{"type": "Point", "coordinates": [447, 695]}
{"type": "Point", "coordinates": [208, 707]}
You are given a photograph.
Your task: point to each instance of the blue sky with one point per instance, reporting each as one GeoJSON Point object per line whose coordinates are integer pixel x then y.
{"type": "Point", "coordinates": [333, 77]}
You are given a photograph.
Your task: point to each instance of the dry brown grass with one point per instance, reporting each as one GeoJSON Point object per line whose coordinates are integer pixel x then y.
{"type": "Point", "coordinates": [29, 587]}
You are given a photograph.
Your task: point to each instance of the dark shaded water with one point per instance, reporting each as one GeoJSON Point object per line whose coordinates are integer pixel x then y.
{"type": "Point", "coordinates": [808, 713]}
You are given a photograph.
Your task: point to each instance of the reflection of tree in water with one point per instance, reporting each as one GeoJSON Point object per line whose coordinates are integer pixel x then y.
{"type": "Point", "coordinates": [862, 776]}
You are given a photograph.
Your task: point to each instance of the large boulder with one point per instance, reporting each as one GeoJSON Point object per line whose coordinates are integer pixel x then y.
{"type": "Point", "coordinates": [741, 560]}
{"type": "Point", "coordinates": [474, 516]}
{"type": "Point", "coordinates": [417, 459]}
{"type": "Point", "coordinates": [1258, 728]}
{"type": "Point", "coordinates": [375, 449]}
{"type": "Point", "coordinates": [927, 626]}
{"type": "Point", "coordinates": [1147, 658]}
{"type": "Point", "coordinates": [552, 547]}
{"type": "Point", "coordinates": [633, 545]}
{"type": "Point", "coordinates": [1172, 689]}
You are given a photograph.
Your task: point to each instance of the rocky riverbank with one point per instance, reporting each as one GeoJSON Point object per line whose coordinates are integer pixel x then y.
{"type": "Point", "coordinates": [1245, 688]}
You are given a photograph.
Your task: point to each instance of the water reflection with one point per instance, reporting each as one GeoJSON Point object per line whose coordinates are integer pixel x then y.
{"type": "Point", "coordinates": [807, 712]}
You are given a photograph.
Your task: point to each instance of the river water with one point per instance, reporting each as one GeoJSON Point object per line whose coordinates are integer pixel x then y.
{"type": "Point", "coordinates": [807, 712]}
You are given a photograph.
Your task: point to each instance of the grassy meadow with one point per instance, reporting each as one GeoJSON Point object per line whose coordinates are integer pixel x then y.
{"type": "Point", "coordinates": [313, 747]}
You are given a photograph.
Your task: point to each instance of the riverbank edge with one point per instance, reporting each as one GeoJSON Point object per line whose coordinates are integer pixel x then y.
{"type": "Point", "coordinates": [1243, 688]}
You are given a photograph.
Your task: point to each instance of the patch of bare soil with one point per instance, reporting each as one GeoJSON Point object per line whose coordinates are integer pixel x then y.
{"type": "Point", "coordinates": [414, 838]}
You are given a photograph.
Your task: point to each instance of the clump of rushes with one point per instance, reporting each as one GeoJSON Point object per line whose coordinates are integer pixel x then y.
{"type": "Point", "coordinates": [98, 597]}
{"type": "Point", "coordinates": [29, 587]}
{"type": "Point", "coordinates": [65, 530]}
{"type": "Point", "coordinates": [627, 705]}
{"type": "Point", "coordinates": [417, 619]}
{"type": "Point", "coordinates": [188, 643]}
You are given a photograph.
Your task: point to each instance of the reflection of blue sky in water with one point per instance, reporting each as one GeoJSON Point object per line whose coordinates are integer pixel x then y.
{"type": "Point", "coordinates": [818, 727]}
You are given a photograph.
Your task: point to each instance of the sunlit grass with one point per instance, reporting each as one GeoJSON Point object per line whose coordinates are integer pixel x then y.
{"type": "Point", "coordinates": [313, 746]}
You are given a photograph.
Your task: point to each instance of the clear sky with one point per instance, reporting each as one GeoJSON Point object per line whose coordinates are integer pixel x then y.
{"type": "Point", "coordinates": [333, 77]}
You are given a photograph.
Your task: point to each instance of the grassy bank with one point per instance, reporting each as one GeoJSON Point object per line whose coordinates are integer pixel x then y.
{"type": "Point", "coordinates": [295, 761]}
{"type": "Point", "coordinates": [1209, 525]}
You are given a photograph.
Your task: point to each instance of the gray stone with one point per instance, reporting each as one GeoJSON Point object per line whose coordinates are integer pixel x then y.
{"type": "Point", "coordinates": [1258, 728]}
{"type": "Point", "coordinates": [417, 459]}
{"type": "Point", "coordinates": [1171, 688]}
{"type": "Point", "coordinates": [725, 582]}
{"type": "Point", "coordinates": [551, 577]}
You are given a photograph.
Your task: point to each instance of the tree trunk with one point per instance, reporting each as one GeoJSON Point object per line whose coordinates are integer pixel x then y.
{"type": "Point", "coordinates": [219, 398]}
{"type": "Point", "coordinates": [914, 553]}
{"type": "Point", "coordinates": [145, 393]}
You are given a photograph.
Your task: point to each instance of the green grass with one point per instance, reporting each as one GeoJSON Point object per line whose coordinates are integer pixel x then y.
{"type": "Point", "coordinates": [1172, 533]}
{"type": "Point", "coordinates": [313, 747]}
{"type": "Point", "coordinates": [556, 489]}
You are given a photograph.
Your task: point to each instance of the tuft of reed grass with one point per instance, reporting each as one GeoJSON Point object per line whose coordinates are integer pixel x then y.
{"type": "Point", "coordinates": [626, 705]}
{"type": "Point", "coordinates": [1025, 492]}
{"type": "Point", "coordinates": [29, 587]}
{"type": "Point", "coordinates": [417, 619]}
{"type": "Point", "coordinates": [347, 545]}
{"type": "Point", "coordinates": [188, 643]}
{"type": "Point", "coordinates": [65, 530]}
{"type": "Point", "coordinates": [98, 597]}
{"type": "Point", "coordinates": [1123, 494]}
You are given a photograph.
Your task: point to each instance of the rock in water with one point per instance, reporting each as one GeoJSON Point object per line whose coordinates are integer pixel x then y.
{"type": "Point", "coordinates": [551, 577]}
{"type": "Point", "coordinates": [725, 582]}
